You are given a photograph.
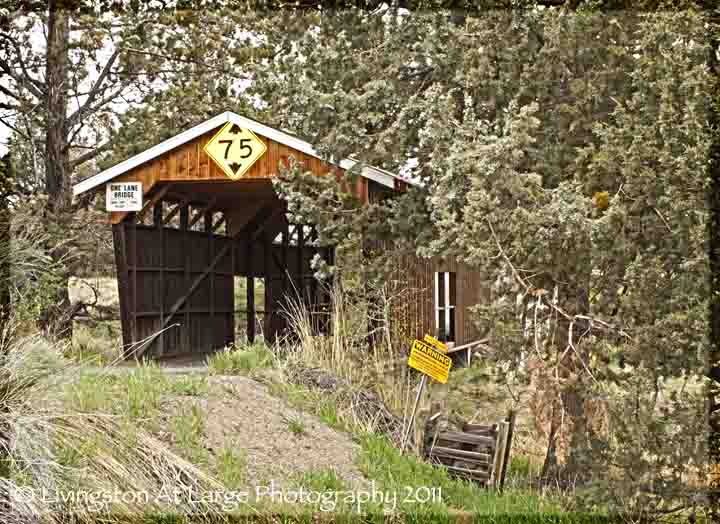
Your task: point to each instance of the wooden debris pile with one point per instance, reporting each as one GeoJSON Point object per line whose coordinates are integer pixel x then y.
{"type": "Point", "coordinates": [473, 451]}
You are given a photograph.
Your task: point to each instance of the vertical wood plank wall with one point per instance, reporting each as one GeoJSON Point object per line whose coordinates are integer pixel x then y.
{"type": "Point", "coordinates": [413, 282]}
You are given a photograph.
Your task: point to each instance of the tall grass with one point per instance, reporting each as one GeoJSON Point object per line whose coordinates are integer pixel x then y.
{"type": "Point", "coordinates": [347, 354]}
{"type": "Point", "coordinates": [47, 446]}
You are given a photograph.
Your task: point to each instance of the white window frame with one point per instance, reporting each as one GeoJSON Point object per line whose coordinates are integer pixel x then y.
{"type": "Point", "coordinates": [445, 275]}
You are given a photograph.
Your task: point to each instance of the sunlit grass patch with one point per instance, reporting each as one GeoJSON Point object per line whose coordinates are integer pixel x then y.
{"type": "Point", "coordinates": [240, 361]}
{"type": "Point", "coordinates": [427, 488]}
{"type": "Point", "coordinates": [188, 385]}
{"type": "Point", "coordinates": [91, 393]}
{"type": "Point", "coordinates": [141, 390]}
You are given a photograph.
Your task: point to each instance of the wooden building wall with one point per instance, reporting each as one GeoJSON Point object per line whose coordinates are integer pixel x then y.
{"type": "Point", "coordinates": [414, 278]}
{"type": "Point", "coordinates": [414, 281]}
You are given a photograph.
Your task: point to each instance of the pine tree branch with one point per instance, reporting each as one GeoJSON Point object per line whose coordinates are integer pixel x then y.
{"type": "Point", "coordinates": [35, 86]}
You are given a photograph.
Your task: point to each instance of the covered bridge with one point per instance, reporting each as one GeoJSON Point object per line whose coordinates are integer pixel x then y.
{"type": "Point", "coordinates": [194, 212]}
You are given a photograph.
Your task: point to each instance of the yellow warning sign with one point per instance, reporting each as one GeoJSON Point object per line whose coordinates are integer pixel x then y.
{"type": "Point", "coordinates": [428, 360]}
{"type": "Point", "coordinates": [235, 149]}
{"type": "Point", "coordinates": [435, 343]}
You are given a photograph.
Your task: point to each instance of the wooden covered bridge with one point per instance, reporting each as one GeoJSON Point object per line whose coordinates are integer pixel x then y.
{"type": "Point", "coordinates": [194, 212]}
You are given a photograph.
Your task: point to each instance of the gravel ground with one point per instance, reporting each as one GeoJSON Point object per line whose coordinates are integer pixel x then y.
{"type": "Point", "coordinates": [241, 412]}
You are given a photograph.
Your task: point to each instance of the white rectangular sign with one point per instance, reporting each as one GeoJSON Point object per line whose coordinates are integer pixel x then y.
{"type": "Point", "coordinates": [124, 196]}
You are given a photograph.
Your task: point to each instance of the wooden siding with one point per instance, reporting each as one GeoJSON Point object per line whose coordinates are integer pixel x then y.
{"type": "Point", "coordinates": [189, 163]}
{"type": "Point", "coordinates": [413, 284]}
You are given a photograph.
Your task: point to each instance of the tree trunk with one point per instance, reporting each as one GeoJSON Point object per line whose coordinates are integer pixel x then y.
{"type": "Point", "coordinates": [567, 464]}
{"type": "Point", "coordinates": [6, 184]}
{"type": "Point", "coordinates": [56, 319]}
{"type": "Point", "coordinates": [573, 396]}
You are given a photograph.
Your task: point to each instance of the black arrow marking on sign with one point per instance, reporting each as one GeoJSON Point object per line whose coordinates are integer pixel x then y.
{"type": "Point", "coordinates": [235, 167]}
{"type": "Point", "coordinates": [235, 129]}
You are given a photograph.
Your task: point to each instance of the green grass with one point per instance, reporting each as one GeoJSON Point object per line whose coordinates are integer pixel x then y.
{"type": "Point", "coordinates": [188, 428]}
{"type": "Point", "coordinates": [142, 388]}
{"type": "Point", "coordinates": [91, 393]}
{"type": "Point", "coordinates": [327, 411]}
{"type": "Point", "coordinates": [188, 385]}
{"type": "Point", "coordinates": [417, 481]}
{"type": "Point", "coordinates": [230, 466]}
{"type": "Point", "coordinates": [135, 395]}
{"type": "Point", "coordinates": [521, 471]}
{"type": "Point", "coordinates": [94, 345]}
{"type": "Point", "coordinates": [322, 480]}
{"type": "Point", "coordinates": [322, 405]}
{"type": "Point", "coordinates": [240, 361]}
{"type": "Point", "coordinates": [295, 426]}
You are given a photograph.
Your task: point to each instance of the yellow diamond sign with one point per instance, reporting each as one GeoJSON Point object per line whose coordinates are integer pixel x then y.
{"type": "Point", "coordinates": [235, 149]}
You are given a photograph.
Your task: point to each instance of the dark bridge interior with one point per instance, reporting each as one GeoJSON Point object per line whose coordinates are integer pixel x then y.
{"type": "Point", "coordinates": [178, 259]}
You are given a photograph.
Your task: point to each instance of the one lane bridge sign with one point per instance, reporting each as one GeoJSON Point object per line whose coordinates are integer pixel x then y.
{"type": "Point", "coordinates": [235, 149]}
{"type": "Point", "coordinates": [124, 196]}
{"type": "Point", "coordinates": [429, 361]}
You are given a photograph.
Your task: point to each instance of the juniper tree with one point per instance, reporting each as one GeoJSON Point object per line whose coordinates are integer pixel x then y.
{"type": "Point", "coordinates": [562, 154]}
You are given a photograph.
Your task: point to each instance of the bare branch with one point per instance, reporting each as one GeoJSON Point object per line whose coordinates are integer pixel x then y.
{"type": "Point", "coordinates": [94, 90]}
{"type": "Point", "coordinates": [592, 322]}
{"type": "Point", "coordinates": [10, 126]}
{"type": "Point", "coordinates": [90, 155]}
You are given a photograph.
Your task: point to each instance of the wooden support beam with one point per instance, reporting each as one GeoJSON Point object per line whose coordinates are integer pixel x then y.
{"type": "Point", "coordinates": [301, 261]}
{"type": "Point", "coordinates": [233, 319]}
{"type": "Point", "coordinates": [187, 245]}
{"type": "Point", "coordinates": [267, 249]}
{"type": "Point", "coordinates": [473, 473]}
{"type": "Point", "coordinates": [151, 203]}
{"type": "Point", "coordinates": [211, 241]}
{"type": "Point", "coordinates": [173, 213]}
{"type": "Point", "coordinates": [133, 281]}
{"type": "Point", "coordinates": [467, 438]}
{"type": "Point", "coordinates": [469, 456]}
{"type": "Point", "coordinates": [313, 299]}
{"type": "Point", "coordinates": [284, 258]}
{"type": "Point", "coordinates": [508, 444]}
{"type": "Point", "coordinates": [158, 214]}
{"type": "Point", "coordinates": [261, 229]}
{"type": "Point", "coordinates": [123, 277]}
{"type": "Point", "coordinates": [219, 223]}
{"type": "Point", "coordinates": [158, 219]}
{"type": "Point", "coordinates": [207, 209]}
{"type": "Point", "coordinates": [250, 289]}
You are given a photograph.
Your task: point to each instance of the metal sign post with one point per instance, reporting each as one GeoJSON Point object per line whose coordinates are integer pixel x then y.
{"type": "Point", "coordinates": [411, 422]}
{"type": "Point", "coordinates": [428, 357]}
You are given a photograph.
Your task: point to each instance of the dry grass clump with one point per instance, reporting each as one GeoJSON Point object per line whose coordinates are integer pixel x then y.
{"type": "Point", "coordinates": [370, 385]}
{"type": "Point", "coordinates": [57, 461]}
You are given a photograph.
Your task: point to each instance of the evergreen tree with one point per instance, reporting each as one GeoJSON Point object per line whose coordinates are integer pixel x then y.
{"type": "Point", "coordinates": [564, 155]}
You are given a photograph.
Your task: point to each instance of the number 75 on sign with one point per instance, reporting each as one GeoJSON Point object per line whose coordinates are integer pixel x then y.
{"type": "Point", "coordinates": [235, 149]}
